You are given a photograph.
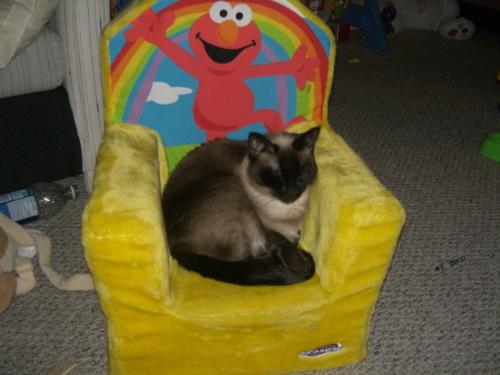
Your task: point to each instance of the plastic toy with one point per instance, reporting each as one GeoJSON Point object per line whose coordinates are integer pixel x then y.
{"type": "Point", "coordinates": [316, 6]}
{"type": "Point", "coordinates": [490, 146]}
{"type": "Point", "coordinates": [388, 14]}
{"type": "Point", "coordinates": [162, 318]}
{"type": "Point", "coordinates": [340, 28]}
{"type": "Point", "coordinates": [367, 19]}
{"type": "Point", "coordinates": [338, 7]}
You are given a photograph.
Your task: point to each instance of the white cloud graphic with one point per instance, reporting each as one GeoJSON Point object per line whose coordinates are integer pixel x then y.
{"type": "Point", "coordinates": [163, 93]}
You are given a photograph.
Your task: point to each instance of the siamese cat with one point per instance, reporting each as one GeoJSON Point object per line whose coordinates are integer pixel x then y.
{"type": "Point", "coordinates": [234, 209]}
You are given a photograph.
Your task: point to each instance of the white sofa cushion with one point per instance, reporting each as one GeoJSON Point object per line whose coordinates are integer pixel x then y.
{"type": "Point", "coordinates": [20, 23]}
{"type": "Point", "coordinates": [39, 67]}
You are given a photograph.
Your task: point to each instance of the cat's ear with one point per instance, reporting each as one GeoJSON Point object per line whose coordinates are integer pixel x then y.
{"type": "Point", "coordinates": [258, 143]}
{"type": "Point", "coordinates": [306, 140]}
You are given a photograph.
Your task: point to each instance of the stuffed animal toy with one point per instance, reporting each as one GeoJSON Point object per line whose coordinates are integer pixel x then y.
{"type": "Point", "coordinates": [7, 277]}
{"type": "Point", "coordinates": [438, 15]}
{"type": "Point", "coordinates": [16, 273]}
{"type": "Point", "coordinates": [457, 28]}
{"type": "Point", "coordinates": [17, 246]}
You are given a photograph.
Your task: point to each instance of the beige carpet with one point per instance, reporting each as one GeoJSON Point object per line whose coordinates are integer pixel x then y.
{"type": "Point", "coordinates": [416, 114]}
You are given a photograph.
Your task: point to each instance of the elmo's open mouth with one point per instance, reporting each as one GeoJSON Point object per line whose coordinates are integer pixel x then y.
{"type": "Point", "coordinates": [223, 55]}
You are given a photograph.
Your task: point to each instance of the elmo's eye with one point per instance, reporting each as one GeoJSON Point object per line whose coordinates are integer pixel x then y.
{"type": "Point", "coordinates": [242, 15]}
{"type": "Point", "coordinates": [220, 11]}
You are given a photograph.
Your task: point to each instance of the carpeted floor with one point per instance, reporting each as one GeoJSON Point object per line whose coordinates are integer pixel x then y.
{"type": "Point", "coordinates": [416, 114]}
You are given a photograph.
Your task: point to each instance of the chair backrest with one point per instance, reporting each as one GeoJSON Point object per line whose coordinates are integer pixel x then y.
{"type": "Point", "coordinates": [195, 70]}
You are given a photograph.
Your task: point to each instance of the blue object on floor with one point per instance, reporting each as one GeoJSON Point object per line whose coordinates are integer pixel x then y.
{"type": "Point", "coordinates": [367, 19]}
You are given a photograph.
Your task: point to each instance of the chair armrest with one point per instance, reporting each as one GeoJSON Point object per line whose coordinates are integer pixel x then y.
{"type": "Point", "coordinates": [353, 222]}
{"type": "Point", "coordinates": [123, 230]}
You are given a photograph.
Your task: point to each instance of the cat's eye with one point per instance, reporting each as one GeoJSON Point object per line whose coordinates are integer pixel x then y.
{"type": "Point", "coordinates": [304, 180]}
{"type": "Point", "coordinates": [270, 176]}
{"type": "Point", "coordinates": [307, 169]}
{"type": "Point", "coordinates": [274, 172]}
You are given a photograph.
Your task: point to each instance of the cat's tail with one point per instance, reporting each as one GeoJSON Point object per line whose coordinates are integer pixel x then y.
{"type": "Point", "coordinates": [253, 272]}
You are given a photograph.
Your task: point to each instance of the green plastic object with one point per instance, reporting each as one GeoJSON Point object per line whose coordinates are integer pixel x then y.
{"type": "Point", "coordinates": [490, 146]}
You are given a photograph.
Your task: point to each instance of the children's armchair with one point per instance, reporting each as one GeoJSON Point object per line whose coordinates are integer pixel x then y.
{"type": "Point", "coordinates": [162, 318]}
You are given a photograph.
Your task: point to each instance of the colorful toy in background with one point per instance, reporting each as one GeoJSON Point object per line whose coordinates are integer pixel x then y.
{"type": "Point", "coordinates": [116, 6]}
{"type": "Point", "coordinates": [344, 14]}
{"type": "Point", "coordinates": [387, 15]}
{"type": "Point", "coordinates": [316, 6]}
{"type": "Point", "coordinates": [340, 28]}
{"type": "Point", "coordinates": [367, 18]}
{"type": "Point", "coordinates": [338, 8]}
{"type": "Point", "coordinates": [457, 28]}
{"type": "Point", "coordinates": [437, 15]}
{"type": "Point", "coordinates": [490, 146]}
{"type": "Point", "coordinates": [378, 26]}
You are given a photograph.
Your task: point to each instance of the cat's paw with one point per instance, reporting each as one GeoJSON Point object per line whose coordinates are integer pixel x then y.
{"type": "Point", "coordinates": [308, 268]}
{"type": "Point", "coordinates": [299, 262]}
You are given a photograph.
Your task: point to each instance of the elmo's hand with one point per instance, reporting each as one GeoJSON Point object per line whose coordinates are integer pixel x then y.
{"type": "Point", "coordinates": [150, 26]}
{"type": "Point", "coordinates": [303, 67]}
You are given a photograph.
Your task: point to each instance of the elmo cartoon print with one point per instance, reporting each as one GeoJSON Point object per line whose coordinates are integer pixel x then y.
{"type": "Point", "coordinates": [224, 43]}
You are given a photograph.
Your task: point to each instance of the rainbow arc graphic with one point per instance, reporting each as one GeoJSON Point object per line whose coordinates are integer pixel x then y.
{"type": "Point", "coordinates": [135, 66]}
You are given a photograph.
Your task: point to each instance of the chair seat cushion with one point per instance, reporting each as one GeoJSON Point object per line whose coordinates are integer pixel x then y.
{"type": "Point", "coordinates": [208, 303]}
{"type": "Point", "coordinates": [162, 317]}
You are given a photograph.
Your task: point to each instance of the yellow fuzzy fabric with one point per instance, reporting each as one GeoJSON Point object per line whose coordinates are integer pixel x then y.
{"type": "Point", "coordinates": [163, 319]}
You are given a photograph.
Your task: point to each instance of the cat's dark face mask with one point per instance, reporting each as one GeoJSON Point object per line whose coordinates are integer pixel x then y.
{"type": "Point", "coordinates": [283, 163]}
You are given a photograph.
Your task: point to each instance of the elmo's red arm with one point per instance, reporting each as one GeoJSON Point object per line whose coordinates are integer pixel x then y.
{"type": "Point", "coordinates": [299, 66]}
{"type": "Point", "coordinates": [151, 27]}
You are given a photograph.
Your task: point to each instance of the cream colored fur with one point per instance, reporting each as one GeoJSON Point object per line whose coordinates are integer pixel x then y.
{"type": "Point", "coordinates": [283, 218]}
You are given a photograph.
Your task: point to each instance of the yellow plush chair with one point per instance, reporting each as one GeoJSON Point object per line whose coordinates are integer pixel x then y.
{"type": "Point", "coordinates": [163, 319]}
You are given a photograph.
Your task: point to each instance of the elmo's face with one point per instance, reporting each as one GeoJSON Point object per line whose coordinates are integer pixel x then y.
{"type": "Point", "coordinates": [226, 39]}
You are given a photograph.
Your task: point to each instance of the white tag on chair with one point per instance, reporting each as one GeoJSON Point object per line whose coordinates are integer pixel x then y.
{"type": "Point", "coordinates": [322, 350]}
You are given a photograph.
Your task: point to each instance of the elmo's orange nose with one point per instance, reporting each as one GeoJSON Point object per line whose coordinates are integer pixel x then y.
{"type": "Point", "coordinates": [227, 32]}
